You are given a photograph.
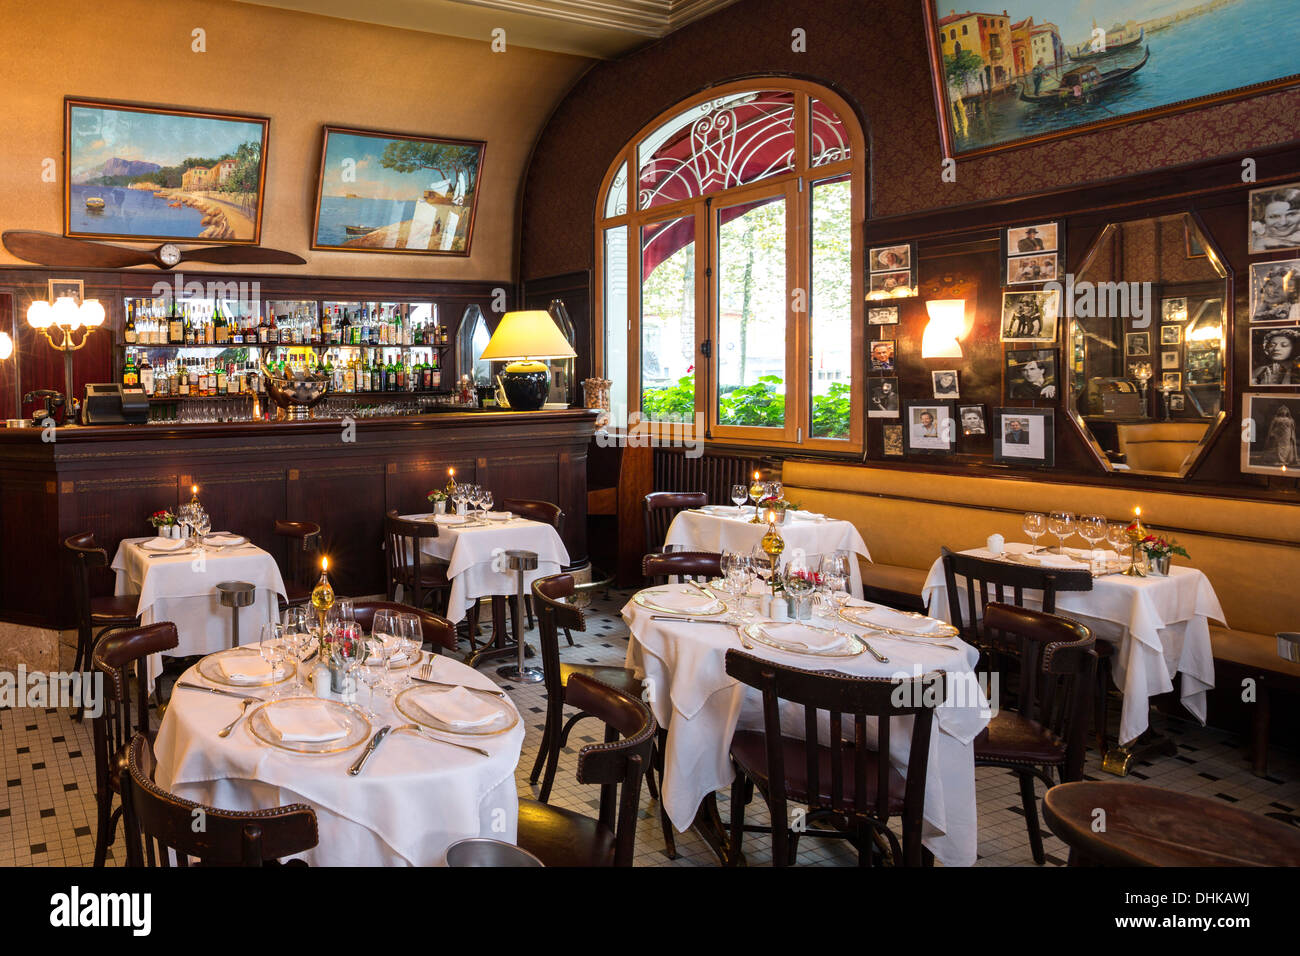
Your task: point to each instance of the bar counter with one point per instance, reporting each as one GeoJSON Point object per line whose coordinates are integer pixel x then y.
{"type": "Point", "coordinates": [108, 479]}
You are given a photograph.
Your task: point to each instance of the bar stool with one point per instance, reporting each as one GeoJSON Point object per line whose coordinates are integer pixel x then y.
{"type": "Point", "coordinates": [519, 562]}
{"type": "Point", "coordinates": [303, 538]}
{"type": "Point", "coordinates": [105, 613]}
{"type": "Point", "coordinates": [234, 595]}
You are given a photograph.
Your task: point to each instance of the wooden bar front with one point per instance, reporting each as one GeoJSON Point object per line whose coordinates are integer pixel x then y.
{"type": "Point", "coordinates": [109, 479]}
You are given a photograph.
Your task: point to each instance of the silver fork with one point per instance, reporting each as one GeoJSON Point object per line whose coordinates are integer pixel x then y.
{"type": "Point", "coordinates": [423, 732]}
{"type": "Point", "coordinates": [226, 730]}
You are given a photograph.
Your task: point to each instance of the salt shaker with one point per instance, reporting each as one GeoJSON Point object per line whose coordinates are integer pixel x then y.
{"type": "Point", "coordinates": [995, 544]}
{"type": "Point", "coordinates": [321, 681]}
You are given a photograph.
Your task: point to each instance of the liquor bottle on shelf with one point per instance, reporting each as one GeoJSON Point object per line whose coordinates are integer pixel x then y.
{"type": "Point", "coordinates": [130, 373]}
{"type": "Point", "coordinates": [129, 335]}
{"type": "Point", "coordinates": [145, 375]}
{"type": "Point", "coordinates": [220, 331]}
{"type": "Point", "coordinates": [222, 382]}
{"type": "Point", "coordinates": [175, 327]}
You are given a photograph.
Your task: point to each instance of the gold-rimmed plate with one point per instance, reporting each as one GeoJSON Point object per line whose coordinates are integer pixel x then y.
{"type": "Point", "coordinates": [210, 667]}
{"type": "Point", "coordinates": [160, 546]}
{"type": "Point", "coordinates": [646, 600]}
{"type": "Point", "coordinates": [407, 704]}
{"type": "Point", "coordinates": [858, 616]}
{"type": "Point", "coordinates": [356, 727]}
{"type": "Point", "coordinates": [852, 646]}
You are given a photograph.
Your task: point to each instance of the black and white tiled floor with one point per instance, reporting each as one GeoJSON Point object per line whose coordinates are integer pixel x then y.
{"type": "Point", "coordinates": [47, 804]}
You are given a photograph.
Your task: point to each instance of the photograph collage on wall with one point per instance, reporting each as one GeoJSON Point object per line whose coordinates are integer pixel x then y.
{"type": "Point", "coordinates": [891, 272]}
{"type": "Point", "coordinates": [1032, 253]}
{"type": "Point", "coordinates": [1024, 436]}
{"type": "Point", "coordinates": [1269, 442]}
{"type": "Point", "coordinates": [930, 428]}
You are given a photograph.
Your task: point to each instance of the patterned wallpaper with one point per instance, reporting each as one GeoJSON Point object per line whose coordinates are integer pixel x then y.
{"type": "Point", "coordinates": [873, 52]}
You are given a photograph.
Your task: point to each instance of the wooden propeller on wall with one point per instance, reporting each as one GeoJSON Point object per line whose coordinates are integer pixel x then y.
{"type": "Point", "coordinates": [51, 250]}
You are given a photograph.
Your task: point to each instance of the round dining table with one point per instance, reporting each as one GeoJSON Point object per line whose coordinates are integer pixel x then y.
{"type": "Point", "coordinates": [415, 797]}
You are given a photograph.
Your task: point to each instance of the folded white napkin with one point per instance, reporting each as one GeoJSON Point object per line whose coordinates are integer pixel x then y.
{"type": "Point", "coordinates": [312, 724]}
{"type": "Point", "coordinates": [164, 544]}
{"type": "Point", "coordinates": [797, 634]}
{"type": "Point", "coordinates": [690, 601]}
{"type": "Point", "coordinates": [245, 668]}
{"type": "Point", "coordinates": [1056, 561]}
{"type": "Point", "coordinates": [898, 621]}
{"type": "Point", "coordinates": [224, 537]}
{"type": "Point", "coordinates": [450, 519]}
{"type": "Point", "coordinates": [723, 509]}
{"type": "Point", "coordinates": [498, 515]}
{"type": "Point", "coordinates": [805, 515]}
{"type": "Point", "coordinates": [459, 708]}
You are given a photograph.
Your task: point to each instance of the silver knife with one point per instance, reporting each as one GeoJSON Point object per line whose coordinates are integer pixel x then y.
{"type": "Point", "coordinates": [690, 620]}
{"type": "Point", "coordinates": [216, 690]}
{"type": "Point", "coordinates": [371, 747]}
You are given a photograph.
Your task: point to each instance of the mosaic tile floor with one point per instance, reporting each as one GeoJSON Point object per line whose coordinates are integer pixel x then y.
{"type": "Point", "coordinates": [47, 805]}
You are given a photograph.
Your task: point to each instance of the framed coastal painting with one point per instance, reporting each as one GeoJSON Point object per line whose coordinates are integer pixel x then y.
{"type": "Point", "coordinates": [1034, 70]}
{"type": "Point", "coordinates": [390, 192]}
{"type": "Point", "coordinates": [143, 172]}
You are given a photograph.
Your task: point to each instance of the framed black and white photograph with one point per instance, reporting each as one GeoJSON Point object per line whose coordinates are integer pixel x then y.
{"type": "Point", "coordinates": [972, 420]}
{"type": "Point", "coordinates": [1173, 381]}
{"type": "Point", "coordinates": [890, 258]}
{"type": "Point", "coordinates": [930, 428]}
{"type": "Point", "coordinates": [1024, 436]}
{"type": "Point", "coordinates": [945, 383]}
{"type": "Point", "coordinates": [1274, 218]}
{"type": "Point", "coordinates": [1026, 270]}
{"type": "Point", "coordinates": [1269, 444]}
{"type": "Point", "coordinates": [1177, 402]}
{"type": "Point", "coordinates": [892, 285]}
{"type": "Point", "coordinates": [1174, 310]}
{"type": "Point", "coordinates": [892, 444]}
{"type": "Point", "coordinates": [882, 355]}
{"type": "Point", "coordinates": [1169, 359]}
{"type": "Point", "coordinates": [883, 315]}
{"type": "Point", "coordinates": [1171, 335]}
{"type": "Point", "coordinates": [1041, 237]}
{"type": "Point", "coordinates": [1030, 375]}
{"type": "Point", "coordinates": [1275, 291]}
{"type": "Point", "coordinates": [1275, 356]}
{"type": "Point", "coordinates": [1030, 316]}
{"type": "Point", "coordinates": [882, 398]}
{"type": "Point", "coordinates": [1137, 343]}
{"type": "Point", "coordinates": [62, 288]}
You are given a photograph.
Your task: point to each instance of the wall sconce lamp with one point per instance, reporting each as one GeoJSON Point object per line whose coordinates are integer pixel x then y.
{"type": "Point", "coordinates": [58, 322]}
{"type": "Point", "coordinates": [6, 346]}
{"type": "Point", "coordinates": [947, 324]}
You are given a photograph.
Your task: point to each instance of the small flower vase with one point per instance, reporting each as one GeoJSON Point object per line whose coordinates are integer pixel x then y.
{"type": "Point", "coordinates": [1159, 563]}
{"type": "Point", "coordinates": [800, 607]}
{"type": "Point", "coordinates": [440, 507]}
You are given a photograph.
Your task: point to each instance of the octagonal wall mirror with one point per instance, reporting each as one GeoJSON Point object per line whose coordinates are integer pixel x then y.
{"type": "Point", "coordinates": [1148, 328]}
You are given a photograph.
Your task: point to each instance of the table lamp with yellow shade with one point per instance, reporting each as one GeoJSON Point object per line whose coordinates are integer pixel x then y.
{"type": "Point", "coordinates": [525, 339]}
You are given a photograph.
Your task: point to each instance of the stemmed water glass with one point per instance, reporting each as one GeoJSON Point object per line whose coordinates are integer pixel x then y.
{"type": "Point", "coordinates": [1092, 528]}
{"type": "Point", "coordinates": [486, 500]}
{"type": "Point", "coordinates": [1117, 538]}
{"type": "Point", "coordinates": [1061, 524]}
{"type": "Point", "coordinates": [738, 495]}
{"type": "Point", "coordinates": [297, 633]}
{"type": "Point", "coordinates": [762, 564]}
{"type": "Point", "coordinates": [1034, 525]}
{"type": "Point", "coordinates": [383, 643]}
{"type": "Point", "coordinates": [273, 650]}
{"type": "Point", "coordinates": [202, 523]}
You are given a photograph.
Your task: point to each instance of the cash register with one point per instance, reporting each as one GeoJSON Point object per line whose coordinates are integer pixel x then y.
{"type": "Point", "coordinates": [111, 403]}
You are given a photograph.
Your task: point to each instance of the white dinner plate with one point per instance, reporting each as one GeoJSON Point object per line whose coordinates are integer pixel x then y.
{"type": "Point", "coordinates": [647, 600]}
{"type": "Point", "coordinates": [224, 540]}
{"type": "Point", "coordinates": [175, 545]}
{"type": "Point", "coordinates": [943, 632]}
{"type": "Point", "coordinates": [210, 667]}
{"type": "Point", "coordinates": [851, 647]}
{"type": "Point", "coordinates": [410, 708]}
{"type": "Point", "coordinates": [498, 515]}
{"type": "Point", "coordinates": [356, 727]}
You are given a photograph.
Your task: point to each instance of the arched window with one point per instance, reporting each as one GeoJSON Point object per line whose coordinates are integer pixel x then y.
{"type": "Point", "coordinates": [728, 241]}
{"type": "Point", "coordinates": [471, 339]}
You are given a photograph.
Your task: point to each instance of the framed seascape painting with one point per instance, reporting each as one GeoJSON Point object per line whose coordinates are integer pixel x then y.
{"type": "Point", "coordinates": [1033, 70]}
{"type": "Point", "coordinates": [388, 192]}
{"type": "Point", "coordinates": [140, 172]}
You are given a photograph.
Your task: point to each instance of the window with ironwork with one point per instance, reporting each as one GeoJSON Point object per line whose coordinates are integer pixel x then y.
{"type": "Point", "coordinates": [729, 253]}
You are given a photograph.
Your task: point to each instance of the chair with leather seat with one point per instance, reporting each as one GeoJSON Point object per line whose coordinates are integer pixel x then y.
{"type": "Point", "coordinates": [423, 579]}
{"type": "Point", "coordinates": [535, 509]}
{"type": "Point", "coordinates": [113, 729]}
{"type": "Point", "coordinates": [661, 507]}
{"type": "Point", "coordinates": [161, 831]}
{"type": "Point", "coordinates": [1046, 733]}
{"type": "Point", "coordinates": [105, 613]}
{"type": "Point", "coordinates": [436, 628]}
{"type": "Point", "coordinates": [560, 837]}
{"type": "Point", "coordinates": [658, 568]}
{"type": "Point", "coordinates": [302, 542]}
{"type": "Point", "coordinates": [847, 783]}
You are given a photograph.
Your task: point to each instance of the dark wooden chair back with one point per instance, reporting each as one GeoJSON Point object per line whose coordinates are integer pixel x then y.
{"type": "Point", "coordinates": [661, 508]}
{"type": "Point", "coordinates": [858, 698]}
{"type": "Point", "coordinates": [113, 658]}
{"type": "Point", "coordinates": [161, 829]}
{"type": "Point", "coordinates": [690, 564]}
{"type": "Point", "coordinates": [402, 539]}
{"type": "Point", "coordinates": [84, 555]}
{"type": "Point", "coordinates": [437, 629]}
{"type": "Point", "coordinates": [1057, 666]}
{"type": "Point", "coordinates": [553, 613]}
{"type": "Point", "coordinates": [536, 510]}
{"type": "Point", "coordinates": [617, 765]}
{"type": "Point", "coordinates": [303, 540]}
{"type": "Point", "coordinates": [1003, 582]}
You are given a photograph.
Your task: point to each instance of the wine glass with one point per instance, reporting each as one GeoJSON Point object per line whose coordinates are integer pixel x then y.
{"type": "Point", "coordinates": [762, 564]}
{"type": "Point", "coordinates": [1034, 525]}
{"type": "Point", "coordinates": [297, 632]}
{"type": "Point", "coordinates": [383, 643]}
{"type": "Point", "coordinates": [487, 501]}
{"type": "Point", "coordinates": [738, 495]}
{"type": "Point", "coordinates": [272, 650]}
{"type": "Point", "coordinates": [1061, 524]}
{"type": "Point", "coordinates": [202, 527]}
{"type": "Point", "coordinates": [1092, 528]}
{"type": "Point", "coordinates": [1117, 538]}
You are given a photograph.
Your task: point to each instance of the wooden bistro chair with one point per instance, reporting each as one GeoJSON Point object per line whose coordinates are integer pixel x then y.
{"type": "Point", "coordinates": [547, 513]}
{"type": "Point", "coordinates": [423, 579]}
{"type": "Point", "coordinates": [845, 781]}
{"type": "Point", "coordinates": [658, 568]}
{"type": "Point", "coordinates": [661, 507]}
{"type": "Point", "coordinates": [1046, 732]}
{"type": "Point", "coordinates": [115, 726]}
{"type": "Point", "coordinates": [160, 825]}
{"type": "Point", "coordinates": [560, 837]}
{"type": "Point", "coordinates": [436, 628]}
{"type": "Point", "coordinates": [302, 543]}
{"type": "Point", "coordinates": [104, 613]}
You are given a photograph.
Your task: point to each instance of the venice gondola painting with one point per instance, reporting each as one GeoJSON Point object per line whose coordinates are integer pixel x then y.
{"type": "Point", "coordinates": [1028, 70]}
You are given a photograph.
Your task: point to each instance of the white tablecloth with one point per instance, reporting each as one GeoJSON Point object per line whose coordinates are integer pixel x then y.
{"type": "Point", "coordinates": [1160, 626]}
{"type": "Point", "coordinates": [684, 666]}
{"type": "Point", "coordinates": [413, 800]}
{"type": "Point", "coordinates": [724, 530]}
{"type": "Point", "coordinates": [181, 588]}
{"type": "Point", "coordinates": [469, 550]}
